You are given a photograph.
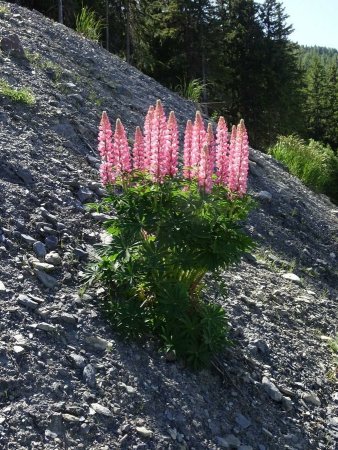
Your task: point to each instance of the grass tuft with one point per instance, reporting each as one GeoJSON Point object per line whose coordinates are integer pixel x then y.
{"type": "Point", "coordinates": [88, 24]}
{"type": "Point", "coordinates": [16, 95]}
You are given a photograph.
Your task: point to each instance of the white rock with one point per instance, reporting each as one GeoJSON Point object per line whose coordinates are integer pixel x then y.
{"type": "Point", "coordinates": [2, 287]}
{"type": "Point", "coordinates": [18, 349]}
{"type": "Point", "coordinates": [291, 277]}
{"type": "Point", "coordinates": [98, 342]}
{"type": "Point", "coordinates": [312, 398]}
{"type": "Point", "coordinates": [143, 431]}
{"type": "Point", "coordinates": [99, 409]}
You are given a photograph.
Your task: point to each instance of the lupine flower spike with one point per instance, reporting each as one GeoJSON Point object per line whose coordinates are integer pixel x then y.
{"type": "Point", "coordinates": [233, 161]}
{"type": "Point", "coordinates": [187, 150]}
{"type": "Point", "coordinates": [105, 149]}
{"type": "Point", "coordinates": [222, 152]}
{"type": "Point", "coordinates": [210, 142]}
{"type": "Point", "coordinates": [198, 136]}
{"type": "Point", "coordinates": [244, 163]}
{"type": "Point", "coordinates": [121, 153]}
{"type": "Point", "coordinates": [147, 137]}
{"type": "Point", "coordinates": [204, 175]}
{"type": "Point", "coordinates": [158, 130]}
{"type": "Point", "coordinates": [171, 149]}
{"type": "Point", "coordinates": [138, 150]}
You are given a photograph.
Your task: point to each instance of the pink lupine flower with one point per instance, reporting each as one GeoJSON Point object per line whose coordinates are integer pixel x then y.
{"type": "Point", "coordinates": [138, 150]}
{"type": "Point", "coordinates": [234, 161]}
{"type": "Point", "coordinates": [171, 146]}
{"type": "Point", "coordinates": [244, 163]}
{"type": "Point", "coordinates": [187, 150]}
{"type": "Point", "coordinates": [105, 137]}
{"type": "Point", "coordinates": [210, 142]}
{"type": "Point", "coordinates": [147, 137]}
{"type": "Point", "coordinates": [204, 174]}
{"type": "Point", "coordinates": [121, 153]}
{"type": "Point", "coordinates": [106, 174]}
{"type": "Point", "coordinates": [198, 136]}
{"type": "Point", "coordinates": [158, 129]}
{"type": "Point", "coordinates": [222, 151]}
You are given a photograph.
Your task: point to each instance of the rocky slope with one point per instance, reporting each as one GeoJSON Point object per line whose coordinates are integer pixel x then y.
{"type": "Point", "coordinates": [66, 380]}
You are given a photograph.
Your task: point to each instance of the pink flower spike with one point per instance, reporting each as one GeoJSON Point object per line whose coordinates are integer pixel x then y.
{"type": "Point", "coordinates": [158, 132]}
{"type": "Point", "coordinates": [171, 150]}
{"type": "Point", "coordinates": [187, 150]}
{"type": "Point", "coordinates": [244, 163]}
{"type": "Point", "coordinates": [204, 175]}
{"type": "Point", "coordinates": [210, 142]}
{"type": "Point", "coordinates": [198, 136]}
{"type": "Point", "coordinates": [222, 151]}
{"type": "Point", "coordinates": [147, 137]}
{"type": "Point", "coordinates": [121, 160]}
{"type": "Point", "coordinates": [106, 174]}
{"type": "Point", "coordinates": [234, 160]}
{"type": "Point", "coordinates": [105, 137]}
{"type": "Point", "coordinates": [138, 150]}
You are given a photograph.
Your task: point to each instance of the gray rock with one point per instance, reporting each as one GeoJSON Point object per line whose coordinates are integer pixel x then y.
{"type": "Point", "coordinates": [68, 318]}
{"type": "Point", "coordinates": [265, 196]}
{"type": "Point", "coordinates": [27, 302]}
{"type": "Point", "coordinates": [2, 287]}
{"type": "Point", "coordinates": [51, 242]}
{"type": "Point", "coordinates": [11, 45]}
{"type": "Point", "coordinates": [287, 403]}
{"type": "Point", "coordinates": [272, 390]}
{"type": "Point", "coordinates": [53, 258]}
{"type": "Point", "coordinates": [85, 195]}
{"type": "Point", "coordinates": [78, 360]}
{"type": "Point", "coordinates": [89, 375]}
{"type": "Point", "coordinates": [81, 254]}
{"type": "Point", "coordinates": [230, 441]}
{"type": "Point", "coordinates": [42, 266]}
{"type": "Point", "coordinates": [47, 280]}
{"type": "Point", "coordinates": [28, 239]}
{"type": "Point", "coordinates": [145, 432]}
{"type": "Point", "coordinates": [99, 409]}
{"type": "Point", "coordinates": [100, 217]}
{"type": "Point", "coordinates": [46, 327]}
{"type": "Point", "coordinates": [291, 277]}
{"type": "Point", "coordinates": [242, 421]}
{"type": "Point", "coordinates": [311, 398]}
{"type": "Point", "coordinates": [39, 249]}
{"type": "Point", "coordinates": [98, 342]}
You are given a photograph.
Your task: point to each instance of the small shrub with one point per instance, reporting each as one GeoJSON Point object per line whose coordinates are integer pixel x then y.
{"type": "Point", "coordinates": [315, 164]}
{"type": "Point", "coordinates": [88, 24]}
{"type": "Point", "coordinates": [170, 228]}
{"type": "Point", "coordinates": [16, 95]}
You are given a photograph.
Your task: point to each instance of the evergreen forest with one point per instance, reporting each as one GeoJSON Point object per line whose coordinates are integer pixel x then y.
{"type": "Point", "coordinates": [232, 57]}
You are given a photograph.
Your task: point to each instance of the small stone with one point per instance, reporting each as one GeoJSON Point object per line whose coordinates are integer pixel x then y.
{"type": "Point", "coordinates": [311, 398]}
{"type": "Point", "coordinates": [28, 239]}
{"type": "Point", "coordinates": [89, 375]}
{"type": "Point", "coordinates": [242, 421]}
{"type": "Point", "coordinates": [230, 441]}
{"type": "Point", "coordinates": [80, 254]}
{"type": "Point", "coordinates": [100, 217]}
{"type": "Point", "coordinates": [71, 418]}
{"type": "Point", "coordinates": [27, 302]}
{"type": "Point", "coordinates": [85, 195]}
{"type": "Point", "coordinates": [287, 403]}
{"type": "Point", "coordinates": [2, 287]}
{"type": "Point", "coordinates": [271, 390]}
{"type": "Point", "coordinates": [265, 196]}
{"type": "Point", "coordinates": [11, 44]}
{"type": "Point", "coordinates": [47, 280]}
{"type": "Point", "coordinates": [129, 389]}
{"type": "Point", "coordinates": [143, 431]}
{"type": "Point", "coordinates": [18, 349]}
{"type": "Point", "coordinates": [42, 266]}
{"type": "Point", "coordinates": [53, 258]}
{"type": "Point", "coordinates": [291, 277]}
{"type": "Point", "coordinates": [99, 409]}
{"type": "Point", "coordinates": [333, 421]}
{"type": "Point", "coordinates": [46, 327]}
{"type": "Point", "coordinates": [51, 242]}
{"type": "Point", "coordinates": [98, 343]}
{"type": "Point", "coordinates": [68, 318]}
{"type": "Point", "coordinates": [39, 249]}
{"type": "Point", "coordinates": [78, 360]}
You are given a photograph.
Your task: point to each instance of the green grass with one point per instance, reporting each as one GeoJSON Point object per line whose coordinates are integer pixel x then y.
{"type": "Point", "coordinates": [333, 344]}
{"type": "Point", "coordinates": [315, 164]}
{"type": "Point", "coordinates": [17, 95]}
{"type": "Point", "coordinates": [192, 90]}
{"type": "Point", "coordinates": [4, 10]}
{"type": "Point", "coordinates": [44, 64]}
{"type": "Point", "coordinates": [88, 24]}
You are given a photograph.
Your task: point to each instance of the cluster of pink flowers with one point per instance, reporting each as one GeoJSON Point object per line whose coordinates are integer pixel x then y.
{"type": "Point", "coordinates": [221, 159]}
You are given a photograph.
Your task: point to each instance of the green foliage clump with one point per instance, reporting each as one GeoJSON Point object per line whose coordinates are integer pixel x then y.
{"type": "Point", "coordinates": [16, 95]}
{"type": "Point", "coordinates": [88, 24]}
{"type": "Point", "coordinates": [165, 237]}
{"type": "Point", "coordinates": [192, 90]}
{"type": "Point", "coordinates": [315, 164]}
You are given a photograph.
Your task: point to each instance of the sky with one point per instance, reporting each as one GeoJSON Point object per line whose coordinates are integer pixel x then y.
{"type": "Point", "coordinates": [315, 21]}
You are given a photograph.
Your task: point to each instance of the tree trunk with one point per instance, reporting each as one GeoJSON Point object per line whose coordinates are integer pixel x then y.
{"type": "Point", "coordinates": [60, 6]}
